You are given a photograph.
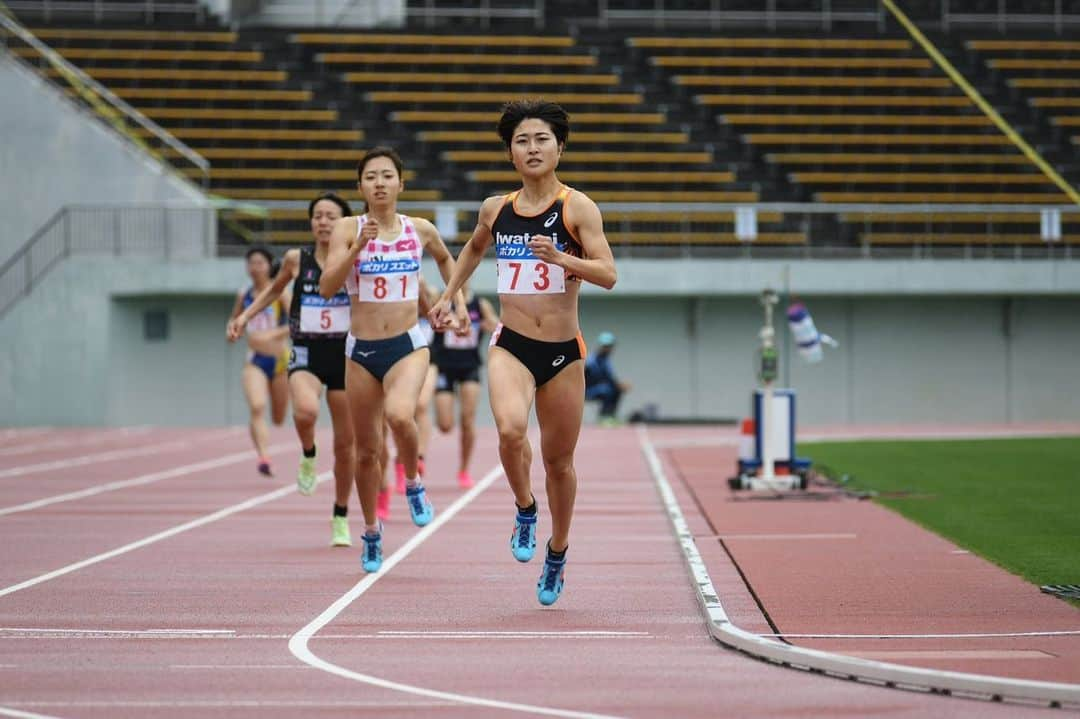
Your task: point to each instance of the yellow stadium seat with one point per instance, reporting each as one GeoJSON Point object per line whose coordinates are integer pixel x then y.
{"type": "Point", "coordinates": [937, 178]}
{"type": "Point", "coordinates": [447, 40]}
{"type": "Point", "coordinates": [844, 63]}
{"type": "Point", "coordinates": [785, 138]}
{"type": "Point", "coordinates": [148, 55]}
{"type": "Point", "coordinates": [772, 81]}
{"type": "Point", "coordinates": [211, 94]}
{"type": "Point", "coordinates": [496, 99]}
{"type": "Point", "coordinates": [835, 100]}
{"type": "Point", "coordinates": [613, 178]}
{"type": "Point", "coordinates": [251, 133]}
{"type": "Point", "coordinates": [665, 138]}
{"type": "Point", "coordinates": [444, 59]}
{"type": "Point", "coordinates": [239, 113]}
{"type": "Point", "coordinates": [766, 43]}
{"type": "Point", "coordinates": [1022, 198]}
{"type": "Point", "coordinates": [306, 194]}
{"type": "Point", "coordinates": [478, 79]}
{"type": "Point", "coordinates": [894, 158]}
{"type": "Point", "coordinates": [179, 74]}
{"type": "Point", "coordinates": [580, 118]}
{"type": "Point", "coordinates": [596, 157]}
{"type": "Point", "coordinates": [849, 119]}
{"type": "Point", "coordinates": [154, 36]}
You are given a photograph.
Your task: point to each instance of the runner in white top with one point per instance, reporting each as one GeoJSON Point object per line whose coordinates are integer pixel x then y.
{"type": "Point", "coordinates": [377, 257]}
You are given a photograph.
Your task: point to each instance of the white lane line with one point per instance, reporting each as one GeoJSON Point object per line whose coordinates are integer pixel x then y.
{"type": "Point", "coordinates": [154, 538]}
{"type": "Point", "coordinates": [68, 444]}
{"type": "Point", "coordinates": [7, 712]}
{"type": "Point", "coordinates": [978, 635]}
{"type": "Point", "coordinates": [141, 479]}
{"type": "Point", "coordinates": [727, 633]}
{"type": "Point", "coordinates": [23, 432]}
{"type": "Point", "coordinates": [112, 454]}
{"type": "Point", "coordinates": [298, 645]}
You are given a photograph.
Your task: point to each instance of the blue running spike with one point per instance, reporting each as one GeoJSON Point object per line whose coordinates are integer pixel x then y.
{"type": "Point", "coordinates": [419, 507]}
{"type": "Point", "coordinates": [550, 585]}
{"type": "Point", "coordinates": [372, 556]}
{"type": "Point", "coordinates": [523, 538]}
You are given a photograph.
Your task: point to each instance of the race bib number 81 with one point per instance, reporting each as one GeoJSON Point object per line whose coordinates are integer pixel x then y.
{"type": "Point", "coordinates": [389, 280]}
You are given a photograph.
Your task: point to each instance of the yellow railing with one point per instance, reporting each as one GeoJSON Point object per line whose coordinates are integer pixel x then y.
{"type": "Point", "coordinates": [114, 110]}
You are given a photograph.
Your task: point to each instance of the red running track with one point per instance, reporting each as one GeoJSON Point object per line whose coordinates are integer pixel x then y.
{"type": "Point", "coordinates": [179, 597]}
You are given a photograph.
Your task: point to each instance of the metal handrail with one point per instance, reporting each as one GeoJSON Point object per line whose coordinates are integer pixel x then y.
{"type": "Point", "coordinates": [100, 8]}
{"type": "Point", "coordinates": [80, 80]}
{"type": "Point", "coordinates": [428, 12]}
{"type": "Point", "coordinates": [46, 247]}
{"type": "Point", "coordinates": [662, 16]}
{"type": "Point", "coordinates": [810, 208]}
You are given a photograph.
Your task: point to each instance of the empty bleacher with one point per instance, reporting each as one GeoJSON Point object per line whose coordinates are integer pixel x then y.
{"type": "Point", "coordinates": [852, 120]}
{"type": "Point", "coordinates": [267, 135]}
{"type": "Point", "coordinates": [657, 118]}
{"type": "Point", "coordinates": [446, 90]}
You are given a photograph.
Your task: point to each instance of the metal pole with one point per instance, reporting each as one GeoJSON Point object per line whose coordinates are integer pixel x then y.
{"type": "Point", "coordinates": [116, 232]}
{"type": "Point", "coordinates": [165, 232]}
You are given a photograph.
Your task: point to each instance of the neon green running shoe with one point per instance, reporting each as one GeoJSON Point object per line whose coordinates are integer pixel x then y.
{"type": "Point", "coordinates": [340, 530]}
{"type": "Point", "coordinates": [305, 478]}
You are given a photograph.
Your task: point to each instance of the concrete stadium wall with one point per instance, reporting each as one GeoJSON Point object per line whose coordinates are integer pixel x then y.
{"type": "Point", "coordinates": [75, 352]}
{"type": "Point", "coordinates": [43, 130]}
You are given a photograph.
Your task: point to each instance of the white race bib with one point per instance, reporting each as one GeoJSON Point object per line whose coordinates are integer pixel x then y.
{"type": "Point", "coordinates": [393, 277]}
{"type": "Point", "coordinates": [322, 316]}
{"type": "Point", "coordinates": [529, 276]}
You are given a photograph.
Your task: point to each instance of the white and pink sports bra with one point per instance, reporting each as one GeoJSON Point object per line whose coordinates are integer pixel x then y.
{"type": "Point", "coordinates": [387, 271]}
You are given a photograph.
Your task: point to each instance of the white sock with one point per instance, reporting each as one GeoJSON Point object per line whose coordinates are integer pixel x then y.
{"type": "Point", "coordinates": [412, 482]}
{"type": "Point", "coordinates": [373, 529]}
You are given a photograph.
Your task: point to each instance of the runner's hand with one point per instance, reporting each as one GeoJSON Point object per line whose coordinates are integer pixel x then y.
{"type": "Point", "coordinates": [235, 329]}
{"type": "Point", "coordinates": [544, 249]}
{"type": "Point", "coordinates": [368, 232]}
{"type": "Point", "coordinates": [440, 316]}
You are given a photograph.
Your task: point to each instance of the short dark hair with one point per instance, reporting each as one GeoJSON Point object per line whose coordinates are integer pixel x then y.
{"type": "Point", "coordinates": [346, 211]}
{"type": "Point", "coordinates": [260, 250]}
{"type": "Point", "coordinates": [380, 151]}
{"type": "Point", "coordinates": [517, 111]}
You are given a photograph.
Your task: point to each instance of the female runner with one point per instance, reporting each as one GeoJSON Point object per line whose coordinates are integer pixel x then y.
{"type": "Point", "coordinates": [377, 257]}
{"type": "Point", "coordinates": [263, 376]}
{"type": "Point", "coordinates": [548, 239]}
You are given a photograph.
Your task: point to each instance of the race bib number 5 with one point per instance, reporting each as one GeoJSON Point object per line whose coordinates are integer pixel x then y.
{"type": "Point", "coordinates": [319, 316]}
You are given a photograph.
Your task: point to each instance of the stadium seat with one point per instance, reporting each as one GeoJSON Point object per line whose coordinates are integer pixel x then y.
{"type": "Point", "coordinates": [447, 40]}
{"type": "Point", "coordinates": [381, 59]}
{"type": "Point", "coordinates": [479, 79]}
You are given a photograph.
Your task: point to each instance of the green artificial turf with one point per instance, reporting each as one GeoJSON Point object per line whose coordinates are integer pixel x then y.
{"type": "Point", "coordinates": [1015, 502]}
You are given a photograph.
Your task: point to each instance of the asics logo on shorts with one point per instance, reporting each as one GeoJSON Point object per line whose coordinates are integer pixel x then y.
{"type": "Point", "coordinates": [558, 360]}
{"type": "Point", "coordinates": [551, 219]}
